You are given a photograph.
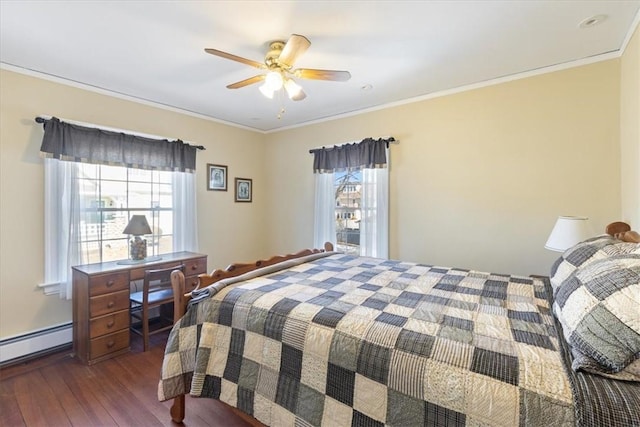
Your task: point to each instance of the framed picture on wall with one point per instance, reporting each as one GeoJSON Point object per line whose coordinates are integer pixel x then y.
{"type": "Point", "coordinates": [216, 177]}
{"type": "Point", "coordinates": [244, 190]}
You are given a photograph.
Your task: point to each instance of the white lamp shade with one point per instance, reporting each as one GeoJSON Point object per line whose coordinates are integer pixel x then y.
{"type": "Point", "coordinates": [568, 231]}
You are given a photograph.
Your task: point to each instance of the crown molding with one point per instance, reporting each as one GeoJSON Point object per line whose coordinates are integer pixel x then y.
{"type": "Point", "coordinates": [499, 80]}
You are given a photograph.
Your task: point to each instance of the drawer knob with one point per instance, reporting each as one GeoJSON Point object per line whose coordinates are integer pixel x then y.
{"type": "Point", "coordinates": [194, 267]}
{"type": "Point", "coordinates": [111, 343]}
{"type": "Point", "coordinates": [110, 283]}
{"type": "Point", "coordinates": [110, 324]}
{"type": "Point", "coordinates": [111, 304]}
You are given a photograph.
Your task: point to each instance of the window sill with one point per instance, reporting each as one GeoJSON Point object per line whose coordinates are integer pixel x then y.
{"type": "Point", "coordinates": [50, 288]}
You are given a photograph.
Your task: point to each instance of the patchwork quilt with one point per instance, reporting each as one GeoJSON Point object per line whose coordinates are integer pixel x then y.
{"type": "Point", "coordinates": [339, 340]}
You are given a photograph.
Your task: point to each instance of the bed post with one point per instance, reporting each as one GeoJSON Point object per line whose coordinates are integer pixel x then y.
{"type": "Point", "coordinates": [179, 308]}
{"type": "Point", "coordinates": [177, 409]}
{"type": "Point", "coordinates": [179, 303]}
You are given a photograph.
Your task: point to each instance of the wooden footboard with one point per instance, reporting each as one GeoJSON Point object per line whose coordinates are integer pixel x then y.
{"type": "Point", "coordinates": [181, 298]}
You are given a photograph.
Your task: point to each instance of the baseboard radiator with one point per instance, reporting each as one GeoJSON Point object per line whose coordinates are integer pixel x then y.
{"type": "Point", "coordinates": [35, 344]}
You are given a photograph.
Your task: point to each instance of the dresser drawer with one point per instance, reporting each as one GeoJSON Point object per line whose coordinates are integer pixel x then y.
{"type": "Point", "coordinates": [109, 303]}
{"type": "Point", "coordinates": [190, 283]}
{"type": "Point", "coordinates": [106, 283]}
{"type": "Point", "coordinates": [138, 273]}
{"type": "Point", "coordinates": [108, 324]}
{"type": "Point", "coordinates": [109, 343]}
{"type": "Point", "coordinates": [196, 266]}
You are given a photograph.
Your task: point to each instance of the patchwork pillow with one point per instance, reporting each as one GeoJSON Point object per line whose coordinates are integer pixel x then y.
{"type": "Point", "coordinates": [596, 248]}
{"type": "Point", "coordinates": [599, 309]}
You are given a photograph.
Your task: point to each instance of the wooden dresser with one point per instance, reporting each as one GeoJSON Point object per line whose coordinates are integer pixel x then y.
{"type": "Point", "coordinates": [101, 302]}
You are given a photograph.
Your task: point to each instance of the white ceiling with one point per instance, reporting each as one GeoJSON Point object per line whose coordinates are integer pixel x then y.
{"type": "Point", "coordinates": [154, 50]}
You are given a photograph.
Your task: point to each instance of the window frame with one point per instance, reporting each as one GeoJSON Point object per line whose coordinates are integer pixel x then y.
{"type": "Point", "coordinates": [374, 210]}
{"type": "Point", "coordinates": [101, 179]}
{"type": "Point", "coordinates": [62, 212]}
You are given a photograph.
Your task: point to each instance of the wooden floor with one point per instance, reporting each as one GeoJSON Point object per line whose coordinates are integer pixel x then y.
{"type": "Point", "coordinates": [57, 390]}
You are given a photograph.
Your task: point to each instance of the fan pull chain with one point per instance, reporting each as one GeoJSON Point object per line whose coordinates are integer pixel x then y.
{"type": "Point", "coordinates": [281, 99]}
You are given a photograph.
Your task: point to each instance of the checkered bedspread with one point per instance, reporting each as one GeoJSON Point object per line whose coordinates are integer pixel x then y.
{"type": "Point", "coordinates": [356, 341]}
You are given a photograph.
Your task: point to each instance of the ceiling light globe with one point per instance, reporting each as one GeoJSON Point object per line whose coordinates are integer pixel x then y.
{"type": "Point", "coordinates": [293, 89]}
{"type": "Point", "coordinates": [273, 80]}
{"type": "Point", "coordinates": [266, 91]}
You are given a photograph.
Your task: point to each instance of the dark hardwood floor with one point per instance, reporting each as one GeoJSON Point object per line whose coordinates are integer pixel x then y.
{"type": "Point", "coordinates": [57, 390]}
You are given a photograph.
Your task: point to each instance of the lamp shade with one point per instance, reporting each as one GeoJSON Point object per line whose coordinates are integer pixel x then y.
{"type": "Point", "coordinates": [138, 226]}
{"type": "Point", "coordinates": [568, 231]}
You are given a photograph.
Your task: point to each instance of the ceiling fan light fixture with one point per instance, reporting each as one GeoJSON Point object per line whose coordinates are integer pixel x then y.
{"type": "Point", "coordinates": [278, 66]}
{"type": "Point", "coordinates": [273, 80]}
{"type": "Point", "coordinates": [293, 89]}
{"type": "Point", "coordinates": [266, 90]}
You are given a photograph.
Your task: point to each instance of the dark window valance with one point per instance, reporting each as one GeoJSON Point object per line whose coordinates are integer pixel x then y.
{"type": "Point", "coordinates": [368, 154]}
{"type": "Point", "coordinates": [72, 142]}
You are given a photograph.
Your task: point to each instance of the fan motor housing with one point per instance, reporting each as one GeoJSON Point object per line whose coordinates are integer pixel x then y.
{"type": "Point", "coordinates": [275, 49]}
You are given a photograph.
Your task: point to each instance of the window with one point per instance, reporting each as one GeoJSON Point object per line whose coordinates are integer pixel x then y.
{"type": "Point", "coordinates": [352, 197]}
{"type": "Point", "coordinates": [109, 196]}
{"type": "Point", "coordinates": [348, 201]}
{"type": "Point", "coordinates": [351, 210]}
{"type": "Point", "coordinates": [88, 204]}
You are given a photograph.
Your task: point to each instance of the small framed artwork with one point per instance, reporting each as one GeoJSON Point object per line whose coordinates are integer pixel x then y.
{"type": "Point", "coordinates": [244, 190]}
{"type": "Point", "coordinates": [216, 177]}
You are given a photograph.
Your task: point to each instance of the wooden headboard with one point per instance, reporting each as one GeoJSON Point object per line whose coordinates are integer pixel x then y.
{"type": "Point", "coordinates": [181, 299]}
{"type": "Point", "coordinates": [617, 228]}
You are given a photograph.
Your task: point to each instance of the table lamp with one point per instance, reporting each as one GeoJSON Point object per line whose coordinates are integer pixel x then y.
{"type": "Point", "coordinates": [568, 231]}
{"type": "Point", "coordinates": [137, 227]}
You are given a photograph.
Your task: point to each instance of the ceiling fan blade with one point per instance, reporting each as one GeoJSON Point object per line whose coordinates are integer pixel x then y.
{"type": "Point", "coordinates": [246, 82]}
{"type": "Point", "coordinates": [334, 75]}
{"type": "Point", "coordinates": [295, 46]}
{"type": "Point", "coordinates": [226, 55]}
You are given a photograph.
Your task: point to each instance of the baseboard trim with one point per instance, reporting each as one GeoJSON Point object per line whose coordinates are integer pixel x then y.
{"type": "Point", "coordinates": [35, 344]}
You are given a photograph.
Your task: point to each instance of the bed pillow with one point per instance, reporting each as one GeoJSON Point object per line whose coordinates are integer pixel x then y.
{"type": "Point", "coordinates": [599, 309]}
{"type": "Point", "coordinates": [583, 253]}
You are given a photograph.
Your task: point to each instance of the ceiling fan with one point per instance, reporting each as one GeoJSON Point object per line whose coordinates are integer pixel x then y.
{"type": "Point", "coordinates": [278, 64]}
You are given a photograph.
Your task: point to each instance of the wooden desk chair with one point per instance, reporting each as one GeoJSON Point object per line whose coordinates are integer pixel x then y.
{"type": "Point", "coordinates": [156, 292]}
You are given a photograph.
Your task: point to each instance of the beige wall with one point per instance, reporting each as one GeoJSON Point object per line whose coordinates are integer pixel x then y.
{"type": "Point", "coordinates": [478, 177]}
{"type": "Point", "coordinates": [630, 131]}
{"type": "Point", "coordinates": [228, 231]}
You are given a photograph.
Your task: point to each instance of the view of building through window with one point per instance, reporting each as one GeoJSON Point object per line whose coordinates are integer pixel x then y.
{"type": "Point", "coordinates": [110, 195]}
{"type": "Point", "coordinates": [348, 187]}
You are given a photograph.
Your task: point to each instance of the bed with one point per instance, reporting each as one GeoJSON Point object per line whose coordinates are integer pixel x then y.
{"type": "Point", "coordinates": [325, 338]}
